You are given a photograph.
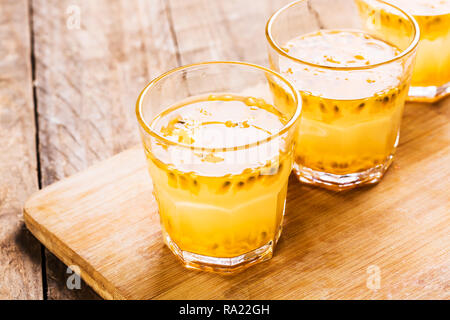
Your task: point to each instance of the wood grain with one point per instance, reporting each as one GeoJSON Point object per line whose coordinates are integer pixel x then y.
{"type": "Point", "coordinates": [105, 220]}
{"type": "Point", "coordinates": [88, 80]}
{"type": "Point", "coordinates": [20, 258]}
{"type": "Point", "coordinates": [222, 30]}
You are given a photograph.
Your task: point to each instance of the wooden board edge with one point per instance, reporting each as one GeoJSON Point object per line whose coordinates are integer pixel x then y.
{"type": "Point", "coordinates": [56, 246]}
{"type": "Point", "coordinates": [29, 203]}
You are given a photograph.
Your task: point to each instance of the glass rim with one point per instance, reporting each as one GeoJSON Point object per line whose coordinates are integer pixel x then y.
{"type": "Point", "coordinates": [412, 46]}
{"type": "Point", "coordinates": [286, 127]}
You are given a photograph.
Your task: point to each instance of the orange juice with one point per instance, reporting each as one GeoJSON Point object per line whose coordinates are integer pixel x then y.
{"type": "Point", "coordinates": [433, 55]}
{"type": "Point", "coordinates": [216, 204]}
{"type": "Point", "coordinates": [350, 120]}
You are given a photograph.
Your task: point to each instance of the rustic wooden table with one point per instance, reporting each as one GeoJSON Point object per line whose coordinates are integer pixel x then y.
{"type": "Point", "coordinates": [70, 72]}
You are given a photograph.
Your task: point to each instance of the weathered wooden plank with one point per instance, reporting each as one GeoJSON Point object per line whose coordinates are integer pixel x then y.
{"type": "Point", "coordinates": [222, 30]}
{"type": "Point", "coordinates": [88, 79]}
{"type": "Point", "coordinates": [20, 252]}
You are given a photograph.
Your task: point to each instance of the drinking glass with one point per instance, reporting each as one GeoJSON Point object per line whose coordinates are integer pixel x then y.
{"type": "Point", "coordinates": [219, 142]}
{"type": "Point", "coordinates": [431, 75]}
{"type": "Point", "coordinates": [352, 109]}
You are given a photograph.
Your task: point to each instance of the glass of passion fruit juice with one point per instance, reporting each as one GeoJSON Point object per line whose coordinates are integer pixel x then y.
{"type": "Point", "coordinates": [353, 84]}
{"type": "Point", "coordinates": [431, 76]}
{"type": "Point", "coordinates": [218, 138]}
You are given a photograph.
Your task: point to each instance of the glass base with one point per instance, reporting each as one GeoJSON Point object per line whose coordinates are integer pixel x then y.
{"type": "Point", "coordinates": [221, 265]}
{"type": "Point", "coordinates": [428, 94]}
{"type": "Point", "coordinates": [343, 182]}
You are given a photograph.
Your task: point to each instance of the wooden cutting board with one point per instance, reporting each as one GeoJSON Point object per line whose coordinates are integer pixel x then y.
{"type": "Point", "coordinates": [388, 241]}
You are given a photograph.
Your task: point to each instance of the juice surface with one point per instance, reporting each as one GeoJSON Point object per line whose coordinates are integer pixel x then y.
{"type": "Point", "coordinates": [224, 203]}
{"type": "Point", "coordinates": [220, 121]}
{"type": "Point", "coordinates": [341, 48]}
{"type": "Point", "coordinates": [350, 118]}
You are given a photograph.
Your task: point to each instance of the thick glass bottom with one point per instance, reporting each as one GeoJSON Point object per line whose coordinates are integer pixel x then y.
{"type": "Point", "coordinates": [343, 182]}
{"type": "Point", "coordinates": [428, 94]}
{"type": "Point", "coordinates": [222, 265]}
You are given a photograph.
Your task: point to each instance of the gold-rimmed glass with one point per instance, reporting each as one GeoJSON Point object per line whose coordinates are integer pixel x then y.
{"type": "Point", "coordinates": [218, 137]}
{"type": "Point", "coordinates": [431, 75]}
{"type": "Point", "coordinates": [351, 116]}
